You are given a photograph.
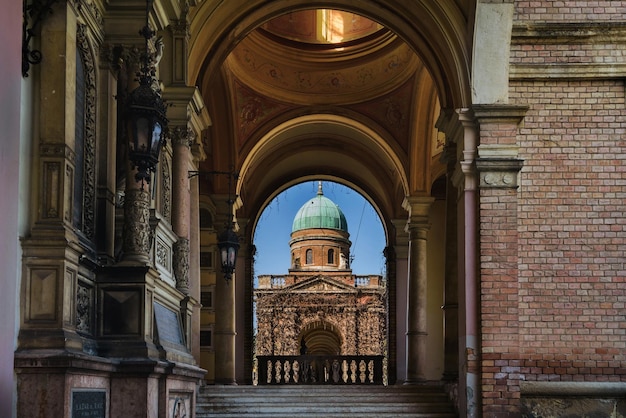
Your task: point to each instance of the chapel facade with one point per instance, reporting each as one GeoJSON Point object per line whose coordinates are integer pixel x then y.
{"type": "Point", "coordinates": [320, 307]}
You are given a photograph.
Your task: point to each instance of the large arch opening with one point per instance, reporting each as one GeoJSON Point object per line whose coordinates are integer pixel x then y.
{"type": "Point", "coordinates": [363, 111]}
{"type": "Point", "coordinates": [314, 305]}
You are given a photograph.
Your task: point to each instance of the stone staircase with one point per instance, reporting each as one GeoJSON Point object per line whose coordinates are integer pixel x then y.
{"type": "Point", "coordinates": [324, 401]}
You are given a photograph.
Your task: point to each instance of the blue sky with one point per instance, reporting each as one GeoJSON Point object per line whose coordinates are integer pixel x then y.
{"type": "Point", "coordinates": [273, 231]}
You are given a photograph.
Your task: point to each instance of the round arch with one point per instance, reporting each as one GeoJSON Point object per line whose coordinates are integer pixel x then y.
{"type": "Point", "coordinates": [320, 337]}
{"type": "Point", "coordinates": [355, 156]}
{"type": "Point", "coordinates": [435, 29]}
{"type": "Point", "coordinates": [290, 183]}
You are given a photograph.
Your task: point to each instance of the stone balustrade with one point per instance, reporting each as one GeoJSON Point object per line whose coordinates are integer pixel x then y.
{"type": "Point", "coordinates": [320, 370]}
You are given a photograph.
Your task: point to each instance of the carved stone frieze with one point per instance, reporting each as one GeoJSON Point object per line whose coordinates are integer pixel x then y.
{"type": "Point", "coordinates": [137, 229]}
{"type": "Point", "coordinates": [181, 264]}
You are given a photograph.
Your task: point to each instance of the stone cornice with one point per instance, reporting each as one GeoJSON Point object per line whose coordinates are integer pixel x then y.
{"type": "Point", "coordinates": [570, 32]}
{"type": "Point", "coordinates": [579, 33]}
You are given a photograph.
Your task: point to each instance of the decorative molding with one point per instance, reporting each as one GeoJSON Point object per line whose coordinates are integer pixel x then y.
{"type": "Point", "coordinates": [90, 8]}
{"type": "Point", "coordinates": [498, 173]}
{"type": "Point", "coordinates": [57, 150]}
{"type": "Point", "coordinates": [51, 189]}
{"type": "Point", "coordinates": [569, 33]}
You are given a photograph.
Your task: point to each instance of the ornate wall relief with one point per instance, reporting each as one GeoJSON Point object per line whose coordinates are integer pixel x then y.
{"type": "Point", "coordinates": [83, 308]}
{"type": "Point", "coordinates": [181, 264]}
{"type": "Point", "coordinates": [137, 230]}
{"type": "Point", "coordinates": [89, 152]}
{"type": "Point", "coordinates": [166, 189]}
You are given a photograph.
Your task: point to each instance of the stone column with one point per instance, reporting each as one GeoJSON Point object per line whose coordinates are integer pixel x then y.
{"type": "Point", "coordinates": [466, 180]}
{"type": "Point", "coordinates": [451, 294]}
{"type": "Point", "coordinates": [417, 331]}
{"type": "Point", "coordinates": [181, 138]}
{"type": "Point", "coordinates": [397, 302]}
{"type": "Point", "coordinates": [225, 331]}
{"type": "Point", "coordinates": [194, 266]}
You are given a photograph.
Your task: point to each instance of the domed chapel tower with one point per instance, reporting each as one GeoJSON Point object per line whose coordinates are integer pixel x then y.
{"type": "Point", "coordinates": [320, 308]}
{"type": "Point", "coordinates": [319, 237]}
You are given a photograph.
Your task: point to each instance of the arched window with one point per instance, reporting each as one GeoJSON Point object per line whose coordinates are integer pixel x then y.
{"type": "Point", "coordinates": [309, 256]}
{"type": "Point", "coordinates": [331, 256]}
{"type": "Point", "coordinates": [206, 220]}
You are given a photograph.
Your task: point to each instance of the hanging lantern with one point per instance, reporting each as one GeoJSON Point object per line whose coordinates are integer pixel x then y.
{"type": "Point", "coordinates": [228, 244]}
{"type": "Point", "coordinates": [145, 114]}
{"type": "Point", "coordinates": [146, 123]}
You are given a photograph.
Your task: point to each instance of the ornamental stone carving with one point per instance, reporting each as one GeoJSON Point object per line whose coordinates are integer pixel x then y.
{"type": "Point", "coordinates": [166, 185]}
{"type": "Point", "coordinates": [89, 152]}
{"type": "Point", "coordinates": [181, 264]}
{"type": "Point", "coordinates": [498, 173]}
{"type": "Point", "coordinates": [137, 230]}
{"type": "Point", "coordinates": [83, 309]}
{"type": "Point", "coordinates": [182, 135]}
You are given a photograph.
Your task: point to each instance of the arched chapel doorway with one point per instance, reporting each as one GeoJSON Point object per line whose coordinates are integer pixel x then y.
{"type": "Point", "coordinates": [345, 91]}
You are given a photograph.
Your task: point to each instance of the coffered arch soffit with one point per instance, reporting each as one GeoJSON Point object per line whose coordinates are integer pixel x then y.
{"type": "Point", "coordinates": [436, 30]}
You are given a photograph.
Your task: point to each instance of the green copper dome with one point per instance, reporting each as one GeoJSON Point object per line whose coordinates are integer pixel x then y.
{"type": "Point", "coordinates": [320, 212]}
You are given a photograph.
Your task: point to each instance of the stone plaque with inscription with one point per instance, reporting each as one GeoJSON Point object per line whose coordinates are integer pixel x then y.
{"type": "Point", "coordinates": [168, 325]}
{"type": "Point", "coordinates": [89, 404]}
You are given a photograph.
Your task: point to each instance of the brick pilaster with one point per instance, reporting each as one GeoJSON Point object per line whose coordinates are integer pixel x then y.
{"type": "Point", "coordinates": [498, 168]}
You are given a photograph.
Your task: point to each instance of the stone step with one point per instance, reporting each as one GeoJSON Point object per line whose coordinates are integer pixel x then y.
{"type": "Point", "coordinates": [323, 401]}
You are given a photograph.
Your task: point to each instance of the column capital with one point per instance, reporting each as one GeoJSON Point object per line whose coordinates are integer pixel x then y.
{"type": "Point", "coordinates": [182, 135]}
{"type": "Point", "coordinates": [401, 245]}
{"type": "Point", "coordinates": [418, 207]}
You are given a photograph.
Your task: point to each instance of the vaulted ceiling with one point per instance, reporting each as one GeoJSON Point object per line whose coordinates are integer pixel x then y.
{"type": "Point", "coordinates": [323, 94]}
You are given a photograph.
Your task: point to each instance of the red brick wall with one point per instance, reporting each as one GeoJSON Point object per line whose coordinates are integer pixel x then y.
{"type": "Point", "coordinates": [572, 231]}
{"type": "Point", "coordinates": [560, 10]}
{"type": "Point", "coordinates": [499, 301]}
{"type": "Point", "coordinates": [553, 252]}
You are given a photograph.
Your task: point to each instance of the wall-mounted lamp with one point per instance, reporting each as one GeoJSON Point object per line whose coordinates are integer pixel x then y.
{"type": "Point", "coordinates": [33, 12]}
{"type": "Point", "coordinates": [145, 114]}
{"type": "Point", "coordinates": [227, 240]}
